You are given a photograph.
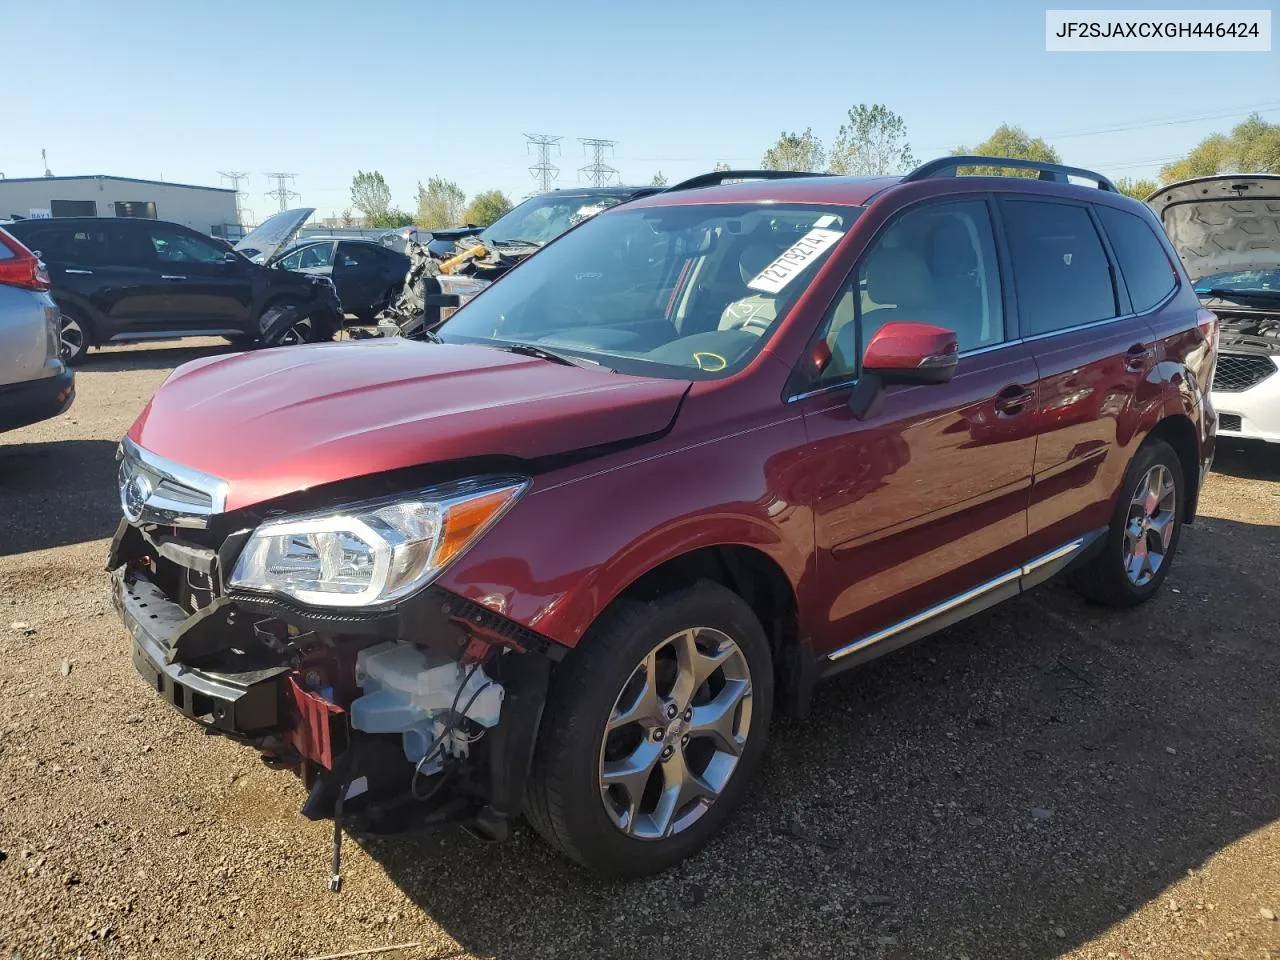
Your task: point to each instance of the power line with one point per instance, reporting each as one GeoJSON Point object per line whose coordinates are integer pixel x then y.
{"type": "Point", "coordinates": [1166, 121]}
{"type": "Point", "coordinates": [282, 192]}
{"type": "Point", "coordinates": [544, 171]}
{"type": "Point", "coordinates": [597, 171]}
{"type": "Point", "coordinates": [235, 176]}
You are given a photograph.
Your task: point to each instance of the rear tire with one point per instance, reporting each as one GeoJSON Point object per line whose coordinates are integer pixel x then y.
{"type": "Point", "coordinates": [75, 334]}
{"type": "Point", "coordinates": [1143, 538]}
{"type": "Point", "coordinates": [654, 728]}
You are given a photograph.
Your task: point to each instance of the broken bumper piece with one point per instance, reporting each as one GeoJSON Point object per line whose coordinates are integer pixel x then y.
{"type": "Point", "coordinates": [243, 705]}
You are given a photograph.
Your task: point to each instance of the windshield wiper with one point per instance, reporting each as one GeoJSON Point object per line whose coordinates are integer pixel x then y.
{"type": "Point", "coordinates": [1224, 294]}
{"type": "Point", "coordinates": [569, 360]}
{"type": "Point", "coordinates": [516, 243]}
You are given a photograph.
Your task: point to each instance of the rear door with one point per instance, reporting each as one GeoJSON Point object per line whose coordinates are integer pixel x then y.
{"type": "Point", "coordinates": [108, 264]}
{"type": "Point", "coordinates": [203, 289]}
{"type": "Point", "coordinates": [1095, 357]}
{"type": "Point", "coordinates": [360, 274]}
{"type": "Point", "coordinates": [925, 499]}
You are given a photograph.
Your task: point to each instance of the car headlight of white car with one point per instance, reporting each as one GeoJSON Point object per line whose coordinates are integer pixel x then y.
{"type": "Point", "coordinates": [373, 553]}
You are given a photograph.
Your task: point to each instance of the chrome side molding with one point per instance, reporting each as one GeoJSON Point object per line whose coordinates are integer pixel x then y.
{"type": "Point", "coordinates": [1064, 552]}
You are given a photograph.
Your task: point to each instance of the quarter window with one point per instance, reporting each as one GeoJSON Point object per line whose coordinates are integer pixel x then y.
{"type": "Point", "coordinates": [934, 264]}
{"type": "Point", "coordinates": [1059, 265]}
{"type": "Point", "coordinates": [1143, 262]}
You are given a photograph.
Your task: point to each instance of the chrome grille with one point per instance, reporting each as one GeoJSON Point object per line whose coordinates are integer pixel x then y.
{"type": "Point", "coordinates": [155, 490]}
{"type": "Point", "coordinates": [1241, 371]}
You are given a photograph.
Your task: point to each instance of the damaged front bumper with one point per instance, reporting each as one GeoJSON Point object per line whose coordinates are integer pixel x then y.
{"type": "Point", "coordinates": [291, 697]}
{"type": "Point", "coordinates": [242, 705]}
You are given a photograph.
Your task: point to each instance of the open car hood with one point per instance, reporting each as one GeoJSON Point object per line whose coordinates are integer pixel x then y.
{"type": "Point", "coordinates": [274, 422]}
{"type": "Point", "coordinates": [274, 233]}
{"type": "Point", "coordinates": [1222, 224]}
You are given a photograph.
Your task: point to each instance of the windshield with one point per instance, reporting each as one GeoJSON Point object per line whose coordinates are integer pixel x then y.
{"type": "Point", "coordinates": [542, 219]}
{"type": "Point", "coordinates": [1242, 282]}
{"type": "Point", "coordinates": [686, 291]}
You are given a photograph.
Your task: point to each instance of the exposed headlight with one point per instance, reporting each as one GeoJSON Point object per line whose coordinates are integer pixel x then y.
{"type": "Point", "coordinates": [463, 287]}
{"type": "Point", "coordinates": [372, 553]}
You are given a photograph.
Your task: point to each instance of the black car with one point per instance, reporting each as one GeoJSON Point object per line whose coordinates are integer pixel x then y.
{"type": "Point", "coordinates": [117, 278]}
{"type": "Point", "coordinates": [519, 233]}
{"type": "Point", "coordinates": [367, 274]}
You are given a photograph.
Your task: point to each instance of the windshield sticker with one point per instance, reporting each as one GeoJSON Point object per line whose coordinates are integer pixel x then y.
{"type": "Point", "coordinates": [794, 260]}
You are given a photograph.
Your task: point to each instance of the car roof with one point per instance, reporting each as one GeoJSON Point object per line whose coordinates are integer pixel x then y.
{"type": "Point", "coordinates": [306, 241]}
{"type": "Point", "coordinates": [847, 191]}
{"type": "Point", "coordinates": [608, 191]}
{"type": "Point", "coordinates": [72, 221]}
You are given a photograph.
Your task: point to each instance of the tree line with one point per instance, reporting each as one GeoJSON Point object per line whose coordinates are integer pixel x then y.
{"type": "Point", "coordinates": [873, 142]}
{"type": "Point", "coordinates": [441, 203]}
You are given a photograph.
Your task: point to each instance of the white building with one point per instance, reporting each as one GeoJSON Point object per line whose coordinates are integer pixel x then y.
{"type": "Point", "coordinates": [210, 210]}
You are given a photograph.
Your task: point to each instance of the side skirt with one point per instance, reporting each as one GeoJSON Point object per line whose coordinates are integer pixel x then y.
{"type": "Point", "coordinates": [961, 606]}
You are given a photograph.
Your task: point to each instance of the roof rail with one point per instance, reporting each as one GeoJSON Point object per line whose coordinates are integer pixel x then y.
{"type": "Point", "coordinates": [717, 177]}
{"type": "Point", "coordinates": [949, 167]}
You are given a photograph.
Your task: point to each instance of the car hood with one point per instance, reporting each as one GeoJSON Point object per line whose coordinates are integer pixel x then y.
{"type": "Point", "coordinates": [263, 242]}
{"type": "Point", "coordinates": [277, 421]}
{"type": "Point", "coordinates": [1222, 224]}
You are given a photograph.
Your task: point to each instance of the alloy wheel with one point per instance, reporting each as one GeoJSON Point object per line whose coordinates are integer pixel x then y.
{"type": "Point", "coordinates": [300, 332]}
{"type": "Point", "coordinates": [676, 733]}
{"type": "Point", "coordinates": [71, 338]}
{"type": "Point", "coordinates": [1148, 532]}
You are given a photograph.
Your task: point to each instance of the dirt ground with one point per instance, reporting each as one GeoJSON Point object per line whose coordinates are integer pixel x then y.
{"type": "Point", "coordinates": [1045, 780]}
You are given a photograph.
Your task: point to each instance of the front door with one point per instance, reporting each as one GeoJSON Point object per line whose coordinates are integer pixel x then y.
{"type": "Point", "coordinates": [203, 289]}
{"type": "Point", "coordinates": [925, 498]}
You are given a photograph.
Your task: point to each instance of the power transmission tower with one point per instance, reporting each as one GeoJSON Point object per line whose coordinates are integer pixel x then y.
{"type": "Point", "coordinates": [544, 171]}
{"type": "Point", "coordinates": [282, 191]}
{"type": "Point", "coordinates": [235, 176]}
{"type": "Point", "coordinates": [597, 171]}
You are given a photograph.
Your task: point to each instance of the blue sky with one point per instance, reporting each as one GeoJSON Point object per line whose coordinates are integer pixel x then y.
{"type": "Point", "coordinates": [181, 90]}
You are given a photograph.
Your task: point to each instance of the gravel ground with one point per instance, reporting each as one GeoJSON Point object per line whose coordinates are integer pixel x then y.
{"type": "Point", "coordinates": [1045, 780]}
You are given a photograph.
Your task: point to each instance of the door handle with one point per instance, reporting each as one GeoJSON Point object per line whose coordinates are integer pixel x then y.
{"type": "Point", "coordinates": [1135, 358]}
{"type": "Point", "coordinates": [170, 276]}
{"type": "Point", "coordinates": [84, 273]}
{"type": "Point", "coordinates": [1013, 399]}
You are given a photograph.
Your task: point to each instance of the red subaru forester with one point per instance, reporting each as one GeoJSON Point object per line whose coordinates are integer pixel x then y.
{"type": "Point", "coordinates": [565, 559]}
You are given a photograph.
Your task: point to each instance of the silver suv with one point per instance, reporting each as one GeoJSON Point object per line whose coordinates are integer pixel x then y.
{"type": "Point", "coordinates": [34, 382]}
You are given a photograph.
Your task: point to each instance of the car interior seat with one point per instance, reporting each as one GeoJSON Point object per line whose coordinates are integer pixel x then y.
{"type": "Point", "coordinates": [755, 311]}
{"type": "Point", "coordinates": [953, 264]}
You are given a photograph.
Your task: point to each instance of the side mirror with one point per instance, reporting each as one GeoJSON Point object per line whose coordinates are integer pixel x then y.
{"type": "Point", "coordinates": [231, 257]}
{"type": "Point", "coordinates": [904, 352]}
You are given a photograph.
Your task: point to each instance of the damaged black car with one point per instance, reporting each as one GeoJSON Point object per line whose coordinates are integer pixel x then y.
{"type": "Point", "coordinates": [122, 279]}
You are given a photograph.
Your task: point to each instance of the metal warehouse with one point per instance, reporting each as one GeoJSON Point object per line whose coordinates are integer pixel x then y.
{"type": "Point", "coordinates": [210, 210]}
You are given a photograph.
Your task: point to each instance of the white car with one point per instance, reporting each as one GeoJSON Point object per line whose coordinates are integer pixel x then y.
{"type": "Point", "coordinates": [1227, 231]}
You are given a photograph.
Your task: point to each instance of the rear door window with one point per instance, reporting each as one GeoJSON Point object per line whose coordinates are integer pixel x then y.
{"type": "Point", "coordinates": [1147, 272]}
{"type": "Point", "coordinates": [1060, 267]}
{"type": "Point", "coordinates": [354, 255]}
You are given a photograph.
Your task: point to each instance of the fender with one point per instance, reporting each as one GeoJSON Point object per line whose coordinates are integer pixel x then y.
{"type": "Point", "coordinates": [656, 509]}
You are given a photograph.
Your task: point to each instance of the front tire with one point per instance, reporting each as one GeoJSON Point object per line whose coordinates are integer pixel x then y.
{"type": "Point", "coordinates": [1144, 532]}
{"type": "Point", "coordinates": [655, 725]}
